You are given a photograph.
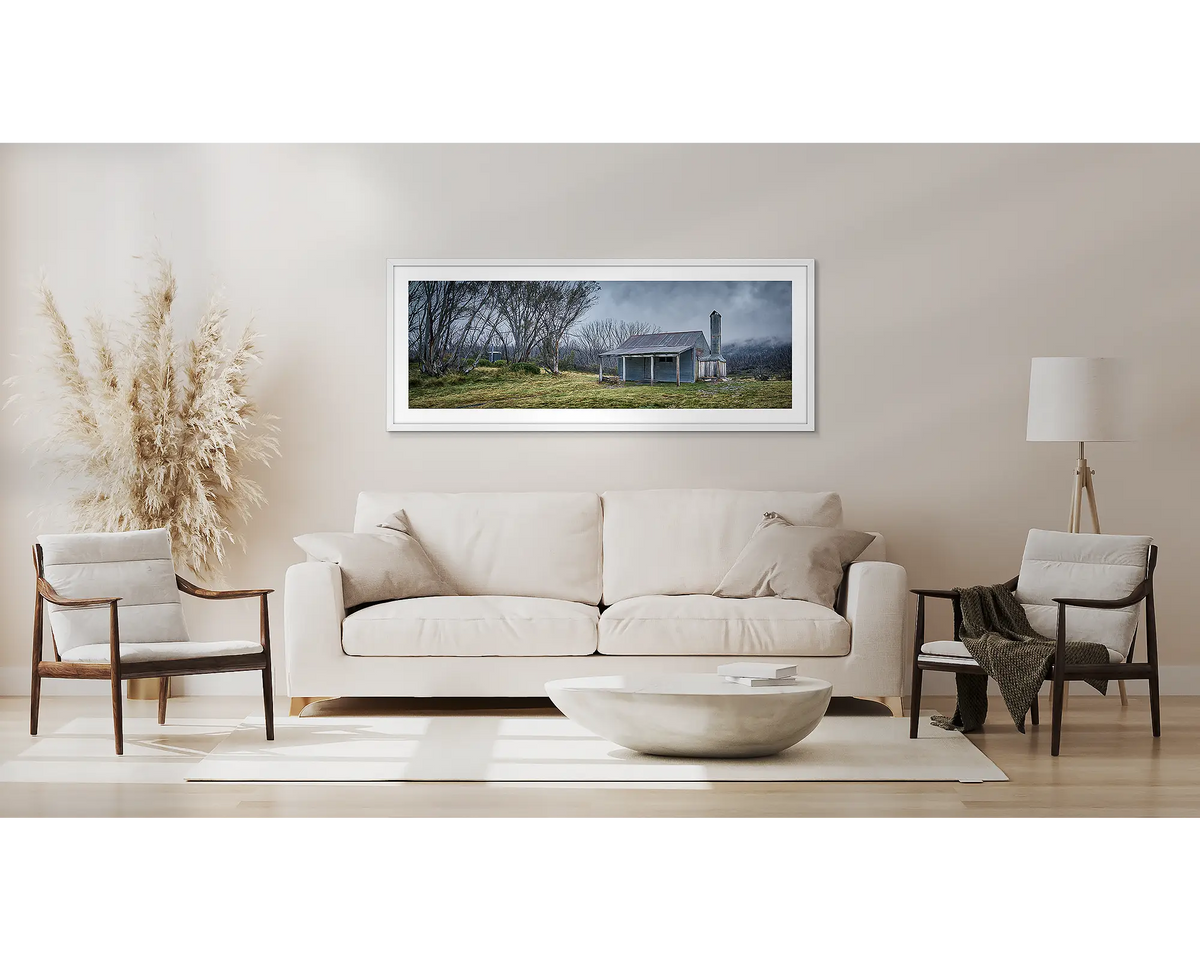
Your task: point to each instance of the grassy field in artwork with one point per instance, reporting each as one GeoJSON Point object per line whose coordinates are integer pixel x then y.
{"type": "Point", "coordinates": [497, 388]}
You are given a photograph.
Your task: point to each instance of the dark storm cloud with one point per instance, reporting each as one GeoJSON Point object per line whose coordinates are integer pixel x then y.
{"type": "Point", "coordinates": [750, 309]}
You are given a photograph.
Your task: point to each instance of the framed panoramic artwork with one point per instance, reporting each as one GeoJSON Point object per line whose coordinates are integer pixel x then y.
{"type": "Point", "coordinates": [601, 345]}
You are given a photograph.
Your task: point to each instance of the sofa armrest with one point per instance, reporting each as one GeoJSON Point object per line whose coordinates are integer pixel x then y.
{"type": "Point", "coordinates": [876, 603]}
{"type": "Point", "coordinates": [313, 611]}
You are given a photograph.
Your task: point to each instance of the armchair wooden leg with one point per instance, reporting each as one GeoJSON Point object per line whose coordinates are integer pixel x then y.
{"type": "Point", "coordinates": [164, 691]}
{"type": "Point", "coordinates": [35, 701]}
{"type": "Point", "coordinates": [1033, 712]}
{"type": "Point", "coordinates": [35, 689]}
{"type": "Point", "coordinates": [1058, 698]}
{"type": "Point", "coordinates": [118, 719]}
{"type": "Point", "coordinates": [264, 622]}
{"type": "Point", "coordinates": [1152, 654]}
{"type": "Point", "coordinates": [914, 720]}
{"type": "Point", "coordinates": [1124, 695]}
{"type": "Point", "coordinates": [268, 702]}
{"type": "Point", "coordinates": [1155, 716]}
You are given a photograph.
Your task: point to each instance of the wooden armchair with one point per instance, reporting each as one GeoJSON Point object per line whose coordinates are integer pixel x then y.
{"type": "Point", "coordinates": [1118, 632]}
{"type": "Point", "coordinates": [98, 635]}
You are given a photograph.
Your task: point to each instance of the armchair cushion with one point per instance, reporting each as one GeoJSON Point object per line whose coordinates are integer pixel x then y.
{"type": "Point", "coordinates": [1088, 566]}
{"type": "Point", "coordinates": [957, 650]}
{"type": "Point", "coordinates": [135, 566]}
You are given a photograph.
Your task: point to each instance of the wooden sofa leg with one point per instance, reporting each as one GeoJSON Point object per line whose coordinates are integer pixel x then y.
{"type": "Point", "coordinates": [299, 703]}
{"type": "Point", "coordinates": [894, 704]}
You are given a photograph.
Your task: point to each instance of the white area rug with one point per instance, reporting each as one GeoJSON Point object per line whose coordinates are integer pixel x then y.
{"type": "Point", "coordinates": [552, 749]}
{"type": "Point", "coordinates": [81, 751]}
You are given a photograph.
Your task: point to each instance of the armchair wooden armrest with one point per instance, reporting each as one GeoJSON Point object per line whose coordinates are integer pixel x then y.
{"type": "Point", "coordinates": [1138, 595]}
{"type": "Point", "coordinates": [192, 590]}
{"type": "Point", "coordinates": [47, 592]}
{"type": "Point", "coordinates": [919, 627]}
{"type": "Point", "coordinates": [953, 594]}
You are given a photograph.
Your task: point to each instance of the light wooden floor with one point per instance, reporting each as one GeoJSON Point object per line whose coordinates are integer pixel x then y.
{"type": "Point", "coordinates": [1110, 766]}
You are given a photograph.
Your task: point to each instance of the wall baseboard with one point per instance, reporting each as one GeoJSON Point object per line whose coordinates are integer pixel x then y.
{"type": "Point", "coordinates": [14, 682]}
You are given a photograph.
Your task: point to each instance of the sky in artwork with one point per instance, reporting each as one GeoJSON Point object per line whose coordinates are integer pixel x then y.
{"type": "Point", "coordinates": [750, 309]}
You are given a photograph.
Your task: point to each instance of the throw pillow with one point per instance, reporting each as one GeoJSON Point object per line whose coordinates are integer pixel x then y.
{"type": "Point", "coordinates": [389, 565]}
{"type": "Point", "coordinates": [793, 562]}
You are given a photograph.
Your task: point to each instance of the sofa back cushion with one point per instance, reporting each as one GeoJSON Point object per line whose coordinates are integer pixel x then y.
{"type": "Point", "coordinates": [684, 541]}
{"type": "Point", "coordinates": [502, 544]}
{"type": "Point", "coordinates": [135, 566]}
{"type": "Point", "coordinates": [1090, 566]}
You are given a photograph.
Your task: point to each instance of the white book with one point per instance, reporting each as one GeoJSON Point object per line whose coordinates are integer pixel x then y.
{"type": "Point", "coordinates": [762, 681]}
{"type": "Point", "coordinates": [763, 671]}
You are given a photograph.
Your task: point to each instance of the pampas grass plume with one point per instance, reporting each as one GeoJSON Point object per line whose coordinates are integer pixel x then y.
{"type": "Point", "coordinates": [152, 433]}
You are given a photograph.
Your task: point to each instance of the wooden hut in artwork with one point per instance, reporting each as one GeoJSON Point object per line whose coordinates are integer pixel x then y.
{"type": "Point", "coordinates": [682, 357]}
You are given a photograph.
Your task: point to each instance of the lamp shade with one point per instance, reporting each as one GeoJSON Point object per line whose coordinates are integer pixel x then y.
{"type": "Point", "coordinates": [1078, 399]}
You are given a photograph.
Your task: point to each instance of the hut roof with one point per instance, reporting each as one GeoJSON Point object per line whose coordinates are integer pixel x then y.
{"type": "Point", "coordinates": [659, 343]}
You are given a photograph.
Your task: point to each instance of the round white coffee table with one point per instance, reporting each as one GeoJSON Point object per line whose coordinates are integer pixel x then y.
{"type": "Point", "coordinates": [693, 714]}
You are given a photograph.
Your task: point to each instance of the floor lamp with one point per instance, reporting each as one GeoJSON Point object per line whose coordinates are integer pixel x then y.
{"type": "Point", "coordinates": [1077, 400]}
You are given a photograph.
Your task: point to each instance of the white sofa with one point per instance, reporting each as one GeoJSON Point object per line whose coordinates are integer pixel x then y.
{"type": "Point", "coordinates": [558, 585]}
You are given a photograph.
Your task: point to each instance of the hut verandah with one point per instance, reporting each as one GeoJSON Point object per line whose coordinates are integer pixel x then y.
{"type": "Point", "coordinates": [657, 357]}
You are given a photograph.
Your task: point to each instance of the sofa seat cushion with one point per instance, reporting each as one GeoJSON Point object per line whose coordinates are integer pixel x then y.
{"type": "Point", "coordinates": [704, 625]}
{"type": "Point", "coordinates": [472, 627]}
{"type": "Point", "coordinates": [167, 650]}
{"type": "Point", "coordinates": [957, 650]}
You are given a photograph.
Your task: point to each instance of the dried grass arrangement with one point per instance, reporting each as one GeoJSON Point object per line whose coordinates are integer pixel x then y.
{"type": "Point", "coordinates": [146, 441]}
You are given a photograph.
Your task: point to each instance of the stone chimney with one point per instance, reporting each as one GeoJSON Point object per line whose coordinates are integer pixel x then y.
{"type": "Point", "coordinates": [714, 320]}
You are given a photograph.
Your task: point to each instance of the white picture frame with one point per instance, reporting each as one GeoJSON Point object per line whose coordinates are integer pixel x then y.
{"type": "Point", "coordinates": [800, 417]}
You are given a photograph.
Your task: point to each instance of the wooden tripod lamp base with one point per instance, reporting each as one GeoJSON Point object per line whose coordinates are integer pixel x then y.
{"type": "Point", "coordinates": [1085, 487]}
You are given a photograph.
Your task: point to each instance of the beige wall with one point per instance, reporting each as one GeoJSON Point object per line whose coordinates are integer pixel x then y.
{"type": "Point", "coordinates": [940, 272]}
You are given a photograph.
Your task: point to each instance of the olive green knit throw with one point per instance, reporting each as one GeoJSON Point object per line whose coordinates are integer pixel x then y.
{"type": "Point", "coordinates": [997, 634]}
